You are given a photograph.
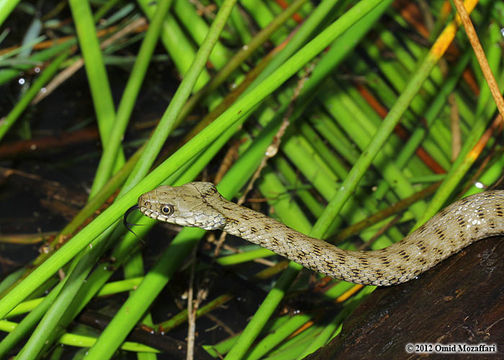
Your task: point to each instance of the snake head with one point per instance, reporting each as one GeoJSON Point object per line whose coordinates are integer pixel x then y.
{"type": "Point", "coordinates": [186, 205]}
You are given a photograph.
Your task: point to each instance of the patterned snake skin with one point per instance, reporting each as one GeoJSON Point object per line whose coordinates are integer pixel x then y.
{"type": "Point", "coordinates": [198, 204]}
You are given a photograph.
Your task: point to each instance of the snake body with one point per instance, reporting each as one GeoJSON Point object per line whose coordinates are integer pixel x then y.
{"type": "Point", "coordinates": [199, 204]}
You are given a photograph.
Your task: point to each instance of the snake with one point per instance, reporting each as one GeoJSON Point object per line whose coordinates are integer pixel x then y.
{"type": "Point", "coordinates": [199, 204]}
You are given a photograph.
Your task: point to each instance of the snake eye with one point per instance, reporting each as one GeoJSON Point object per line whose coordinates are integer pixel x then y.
{"type": "Point", "coordinates": [167, 209]}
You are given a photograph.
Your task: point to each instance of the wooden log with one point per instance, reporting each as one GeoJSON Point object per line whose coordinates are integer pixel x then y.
{"type": "Point", "coordinates": [461, 300]}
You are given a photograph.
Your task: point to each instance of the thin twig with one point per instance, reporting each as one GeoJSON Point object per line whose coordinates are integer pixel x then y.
{"type": "Point", "coordinates": [480, 55]}
{"type": "Point", "coordinates": [272, 149]}
{"type": "Point", "coordinates": [191, 310]}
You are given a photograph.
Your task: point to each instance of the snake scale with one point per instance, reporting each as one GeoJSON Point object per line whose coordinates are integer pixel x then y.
{"type": "Point", "coordinates": [198, 204]}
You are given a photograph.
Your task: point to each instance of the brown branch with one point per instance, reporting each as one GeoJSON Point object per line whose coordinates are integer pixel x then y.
{"type": "Point", "coordinates": [480, 55]}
